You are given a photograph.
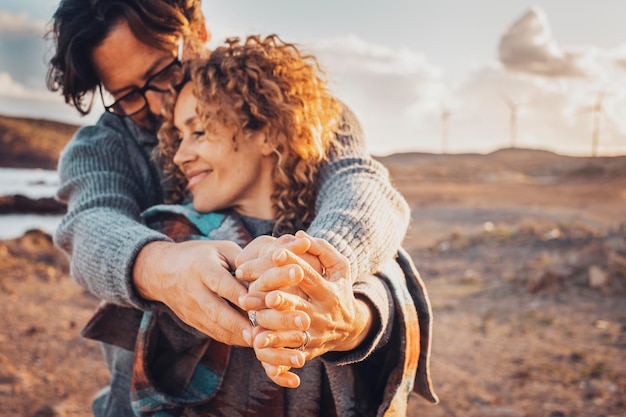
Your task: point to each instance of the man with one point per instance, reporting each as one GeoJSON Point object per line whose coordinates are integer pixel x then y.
{"type": "Point", "coordinates": [125, 50]}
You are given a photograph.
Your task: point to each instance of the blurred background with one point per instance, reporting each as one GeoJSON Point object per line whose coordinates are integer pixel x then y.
{"type": "Point", "coordinates": [502, 123]}
{"type": "Point", "coordinates": [411, 70]}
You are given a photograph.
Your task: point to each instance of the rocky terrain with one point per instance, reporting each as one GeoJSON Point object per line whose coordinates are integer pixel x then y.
{"type": "Point", "coordinates": [524, 256]}
{"type": "Point", "coordinates": [30, 143]}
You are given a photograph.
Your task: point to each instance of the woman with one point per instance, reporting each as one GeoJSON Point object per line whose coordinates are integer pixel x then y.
{"type": "Point", "coordinates": [251, 124]}
{"type": "Point", "coordinates": [248, 130]}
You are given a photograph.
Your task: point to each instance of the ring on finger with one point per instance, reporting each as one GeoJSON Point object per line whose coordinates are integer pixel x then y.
{"type": "Point", "coordinates": [252, 318]}
{"type": "Point", "coordinates": [307, 339]}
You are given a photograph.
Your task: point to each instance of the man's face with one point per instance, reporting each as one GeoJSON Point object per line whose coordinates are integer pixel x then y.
{"type": "Point", "coordinates": [123, 63]}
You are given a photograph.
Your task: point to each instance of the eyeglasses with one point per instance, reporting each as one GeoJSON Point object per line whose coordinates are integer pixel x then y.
{"type": "Point", "coordinates": [135, 100]}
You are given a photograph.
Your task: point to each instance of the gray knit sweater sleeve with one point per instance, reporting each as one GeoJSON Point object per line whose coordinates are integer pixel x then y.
{"type": "Point", "coordinates": [106, 181]}
{"type": "Point", "coordinates": [358, 210]}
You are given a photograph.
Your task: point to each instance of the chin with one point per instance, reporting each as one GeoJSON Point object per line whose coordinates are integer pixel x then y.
{"type": "Point", "coordinates": [205, 208]}
{"type": "Point", "coordinates": [148, 122]}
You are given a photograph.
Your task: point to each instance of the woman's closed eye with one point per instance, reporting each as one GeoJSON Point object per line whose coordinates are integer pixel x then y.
{"type": "Point", "coordinates": [198, 134]}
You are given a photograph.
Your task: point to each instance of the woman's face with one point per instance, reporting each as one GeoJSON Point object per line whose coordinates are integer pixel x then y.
{"type": "Point", "coordinates": [224, 169]}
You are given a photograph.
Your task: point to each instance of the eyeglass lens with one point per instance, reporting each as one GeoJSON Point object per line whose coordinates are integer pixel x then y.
{"type": "Point", "coordinates": [135, 101]}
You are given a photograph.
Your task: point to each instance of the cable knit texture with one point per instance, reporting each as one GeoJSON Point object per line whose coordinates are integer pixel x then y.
{"type": "Point", "coordinates": [108, 179]}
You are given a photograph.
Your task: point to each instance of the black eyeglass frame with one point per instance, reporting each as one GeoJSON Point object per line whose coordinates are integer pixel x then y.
{"type": "Point", "coordinates": [142, 91]}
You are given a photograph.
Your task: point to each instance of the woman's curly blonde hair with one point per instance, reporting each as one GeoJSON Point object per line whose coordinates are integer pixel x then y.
{"type": "Point", "coordinates": [263, 84]}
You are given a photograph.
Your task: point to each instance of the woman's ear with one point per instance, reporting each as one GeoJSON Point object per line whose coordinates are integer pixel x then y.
{"type": "Point", "coordinates": [266, 148]}
{"type": "Point", "coordinates": [260, 138]}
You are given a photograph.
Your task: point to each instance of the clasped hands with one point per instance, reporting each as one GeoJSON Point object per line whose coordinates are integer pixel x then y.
{"type": "Point", "coordinates": [297, 284]}
{"type": "Point", "coordinates": [294, 283]}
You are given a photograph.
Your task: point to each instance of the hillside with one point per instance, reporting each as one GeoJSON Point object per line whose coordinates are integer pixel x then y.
{"type": "Point", "coordinates": [32, 143]}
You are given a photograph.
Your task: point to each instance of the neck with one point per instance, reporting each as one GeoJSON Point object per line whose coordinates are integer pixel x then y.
{"type": "Point", "coordinates": [257, 202]}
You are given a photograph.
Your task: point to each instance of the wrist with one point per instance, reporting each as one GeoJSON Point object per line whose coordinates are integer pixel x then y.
{"type": "Point", "coordinates": [366, 315]}
{"type": "Point", "coordinates": [148, 266]}
{"type": "Point", "coordinates": [362, 326]}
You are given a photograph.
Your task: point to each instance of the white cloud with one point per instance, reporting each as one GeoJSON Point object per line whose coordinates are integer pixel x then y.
{"type": "Point", "coordinates": [19, 23]}
{"type": "Point", "coordinates": [18, 100]}
{"type": "Point", "coordinates": [11, 88]}
{"type": "Point", "coordinates": [388, 88]}
{"type": "Point", "coordinates": [353, 54]}
{"type": "Point", "coordinates": [528, 46]}
{"type": "Point", "coordinates": [552, 113]}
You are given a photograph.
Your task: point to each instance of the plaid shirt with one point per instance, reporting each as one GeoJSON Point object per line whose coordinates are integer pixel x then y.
{"type": "Point", "coordinates": [178, 371]}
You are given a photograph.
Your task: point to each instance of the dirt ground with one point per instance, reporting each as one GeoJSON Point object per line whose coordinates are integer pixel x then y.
{"type": "Point", "coordinates": [524, 256]}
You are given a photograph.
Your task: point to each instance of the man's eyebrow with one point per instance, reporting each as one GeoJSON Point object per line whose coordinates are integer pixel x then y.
{"type": "Point", "coordinates": [149, 72]}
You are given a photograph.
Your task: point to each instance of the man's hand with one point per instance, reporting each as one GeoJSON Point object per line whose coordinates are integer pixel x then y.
{"type": "Point", "coordinates": [193, 279]}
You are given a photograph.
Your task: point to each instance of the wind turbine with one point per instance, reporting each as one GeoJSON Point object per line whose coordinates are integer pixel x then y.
{"type": "Point", "coordinates": [445, 125]}
{"type": "Point", "coordinates": [514, 107]}
{"type": "Point", "coordinates": [597, 111]}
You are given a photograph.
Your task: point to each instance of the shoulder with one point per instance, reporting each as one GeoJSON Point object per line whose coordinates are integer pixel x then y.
{"type": "Point", "coordinates": [350, 141]}
{"type": "Point", "coordinates": [108, 128]}
{"type": "Point", "coordinates": [349, 124]}
{"type": "Point", "coordinates": [110, 142]}
{"type": "Point", "coordinates": [110, 133]}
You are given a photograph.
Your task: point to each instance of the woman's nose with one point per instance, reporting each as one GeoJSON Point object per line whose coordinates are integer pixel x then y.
{"type": "Point", "coordinates": [183, 154]}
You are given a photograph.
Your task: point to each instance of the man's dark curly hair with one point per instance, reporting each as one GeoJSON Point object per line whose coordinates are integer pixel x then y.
{"type": "Point", "coordinates": [78, 26]}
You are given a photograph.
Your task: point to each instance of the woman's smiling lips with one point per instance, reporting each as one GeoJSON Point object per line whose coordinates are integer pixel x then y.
{"type": "Point", "coordinates": [194, 177]}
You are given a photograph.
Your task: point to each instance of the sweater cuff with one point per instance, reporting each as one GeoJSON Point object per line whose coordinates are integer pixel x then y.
{"type": "Point", "coordinates": [337, 241]}
{"type": "Point", "coordinates": [126, 261]}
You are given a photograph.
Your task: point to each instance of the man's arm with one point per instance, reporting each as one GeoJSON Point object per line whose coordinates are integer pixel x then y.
{"type": "Point", "coordinates": [107, 183]}
{"type": "Point", "coordinates": [358, 210]}
{"type": "Point", "coordinates": [106, 193]}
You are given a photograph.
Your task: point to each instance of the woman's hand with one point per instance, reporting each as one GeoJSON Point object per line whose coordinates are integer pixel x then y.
{"type": "Point", "coordinates": [338, 321]}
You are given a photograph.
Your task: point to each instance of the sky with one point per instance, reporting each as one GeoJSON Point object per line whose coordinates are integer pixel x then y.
{"type": "Point", "coordinates": [410, 69]}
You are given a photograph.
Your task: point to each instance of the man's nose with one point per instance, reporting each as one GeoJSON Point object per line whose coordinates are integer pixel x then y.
{"type": "Point", "coordinates": [155, 101]}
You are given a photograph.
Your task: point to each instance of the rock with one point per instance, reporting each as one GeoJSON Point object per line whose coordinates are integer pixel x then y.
{"type": "Point", "coordinates": [45, 411]}
{"type": "Point", "coordinates": [597, 277]}
{"type": "Point", "coordinates": [20, 204]}
{"type": "Point", "coordinates": [547, 279]}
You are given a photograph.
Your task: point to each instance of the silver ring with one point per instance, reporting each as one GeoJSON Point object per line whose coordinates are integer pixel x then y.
{"type": "Point", "coordinates": [307, 339]}
{"type": "Point", "coordinates": [252, 318]}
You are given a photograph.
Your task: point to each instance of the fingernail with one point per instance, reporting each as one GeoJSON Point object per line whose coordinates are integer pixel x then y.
{"type": "Point", "coordinates": [282, 256]}
{"type": "Point", "coordinates": [273, 300]}
{"type": "Point", "coordinates": [295, 360]}
{"type": "Point", "coordinates": [239, 273]}
{"type": "Point", "coordinates": [247, 336]}
{"type": "Point", "coordinates": [292, 273]}
{"type": "Point", "coordinates": [265, 343]}
{"type": "Point", "coordinates": [241, 299]}
{"type": "Point", "coordinates": [299, 323]}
